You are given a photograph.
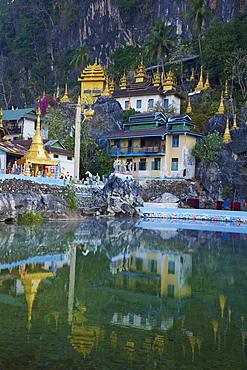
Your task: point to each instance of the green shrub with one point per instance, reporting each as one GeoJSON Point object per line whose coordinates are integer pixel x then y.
{"type": "Point", "coordinates": [31, 217]}
{"type": "Point", "coordinates": [70, 197]}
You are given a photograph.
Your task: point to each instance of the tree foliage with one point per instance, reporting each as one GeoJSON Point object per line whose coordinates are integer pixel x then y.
{"type": "Point", "coordinates": [159, 42]}
{"type": "Point", "coordinates": [206, 148]}
{"type": "Point", "coordinates": [198, 14]}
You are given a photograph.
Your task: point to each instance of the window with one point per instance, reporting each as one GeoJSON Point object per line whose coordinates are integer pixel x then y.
{"type": "Point", "coordinates": [174, 164]}
{"type": "Point", "coordinates": [69, 158]}
{"type": "Point", "coordinates": [138, 104]}
{"type": "Point", "coordinates": [142, 141]}
{"type": "Point", "coordinates": [165, 103]}
{"type": "Point", "coordinates": [117, 142]}
{"type": "Point", "coordinates": [139, 263]}
{"type": "Point", "coordinates": [126, 104]}
{"type": "Point", "coordinates": [152, 265]}
{"type": "Point", "coordinates": [175, 141]}
{"type": "Point", "coordinates": [170, 291]}
{"type": "Point", "coordinates": [151, 103]}
{"type": "Point", "coordinates": [55, 156]}
{"type": "Point", "coordinates": [142, 164]}
{"type": "Point", "coordinates": [156, 164]}
{"type": "Point", "coordinates": [171, 267]}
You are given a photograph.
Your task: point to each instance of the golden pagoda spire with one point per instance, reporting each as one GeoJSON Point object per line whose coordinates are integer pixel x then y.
{"type": "Point", "coordinates": [221, 109]}
{"type": "Point", "coordinates": [157, 78]}
{"type": "Point", "coordinates": [141, 73]}
{"type": "Point", "coordinates": [227, 136]}
{"type": "Point", "coordinates": [123, 82]}
{"type": "Point", "coordinates": [65, 98]}
{"type": "Point", "coordinates": [207, 83]}
{"type": "Point", "coordinates": [37, 154]}
{"type": "Point", "coordinates": [148, 108]}
{"type": "Point", "coordinates": [234, 126]}
{"type": "Point", "coordinates": [226, 93]}
{"type": "Point", "coordinates": [189, 107]}
{"type": "Point", "coordinates": [2, 129]}
{"type": "Point", "coordinates": [192, 77]}
{"type": "Point", "coordinates": [106, 91]}
{"type": "Point", "coordinates": [112, 86]}
{"type": "Point", "coordinates": [200, 85]}
{"type": "Point", "coordinates": [170, 82]}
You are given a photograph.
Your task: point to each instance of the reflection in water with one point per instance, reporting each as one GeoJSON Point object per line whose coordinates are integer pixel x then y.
{"type": "Point", "coordinates": [123, 293]}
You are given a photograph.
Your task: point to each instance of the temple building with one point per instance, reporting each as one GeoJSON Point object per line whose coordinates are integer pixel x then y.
{"type": "Point", "coordinates": [94, 82]}
{"type": "Point", "coordinates": [145, 93]}
{"type": "Point", "coordinates": [153, 146]}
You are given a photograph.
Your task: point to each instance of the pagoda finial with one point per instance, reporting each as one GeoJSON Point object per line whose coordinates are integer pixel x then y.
{"type": "Point", "coordinates": [65, 98]}
{"type": "Point", "coordinates": [207, 83]}
{"type": "Point", "coordinates": [112, 86]}
{"type": "Point", "coordinates": [157, 78]}
{"type": "Point", "coordinates": [221, 109]}
{"type": "Point", "coordinates": [123, 82]}
{"type": "Point", "coordinates": [189, 107]}
{"type": "Point", "coordinates": [192, 77]}
{"type": "Point", "coordinates": [227, 136]}
{"type": "Point", "coordinates": [234, 126]}
{"type": "Point", "coordinates": [226, 93]}
{"type": "Point", "coordinates": [170, 82]}
{"type": "Point", "coordinates": [200, 85]}
{"type": "Point", "coordinates": [141, 73]}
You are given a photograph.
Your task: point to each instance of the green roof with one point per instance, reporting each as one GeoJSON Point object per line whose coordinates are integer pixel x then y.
{"type": "Point", "coordinates": [16, 114]}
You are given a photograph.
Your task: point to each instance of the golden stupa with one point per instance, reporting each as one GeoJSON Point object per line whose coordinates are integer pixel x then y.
{"type": "Point", "coordinates": [157, 78]}
{"type": "Point", "coordinates": [37, 154]}
{"type": "Point", "coordinates": [65, 98]}
{"type": "Point", "coordinates": [227, 135]}
{"type": "Point", "coordinates": [189, 107]}
{"type": "Point", "coordinates": [200, 85]}
{"type": "Point", "coordinates": [222, 106]}
{"type": "Point", "coordinates": [123, 81]}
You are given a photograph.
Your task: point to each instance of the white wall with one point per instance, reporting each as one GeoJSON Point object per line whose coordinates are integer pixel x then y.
{"type": "Point", "coordinates": [66, 165]}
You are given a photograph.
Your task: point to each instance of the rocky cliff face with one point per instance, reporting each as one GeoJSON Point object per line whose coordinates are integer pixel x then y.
{"type": "Point", "coordinates": [106, 24]}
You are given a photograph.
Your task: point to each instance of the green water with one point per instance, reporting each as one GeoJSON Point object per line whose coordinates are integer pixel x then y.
{"type": "Point", "coordinates": [109, 294]}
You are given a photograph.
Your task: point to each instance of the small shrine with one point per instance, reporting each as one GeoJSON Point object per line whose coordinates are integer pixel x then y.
{"type": "Point", "coordinates": [37, 154]}
{"type": "Point", "coordinates": [93, 80]}
{"type": "Point", "coordinates": [170, 82]}
{"type": "Point", "coordinates": [221, 109]}
{"type": "Point", "coordinates": [227, 135]}
{"type": "Point", "coordinates": [200, 85]}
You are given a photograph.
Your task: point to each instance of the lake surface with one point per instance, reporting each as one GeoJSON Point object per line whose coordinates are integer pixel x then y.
{"type": "Point", "coordinates": [123, 294]}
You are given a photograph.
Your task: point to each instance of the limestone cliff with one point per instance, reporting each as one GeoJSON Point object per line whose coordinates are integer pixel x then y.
{"type": "Point", "coordinates": [107, 24]}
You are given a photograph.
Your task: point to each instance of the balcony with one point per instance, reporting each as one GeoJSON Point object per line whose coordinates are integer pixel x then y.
{"type": "Point", "coordinates": [135, 150]}
{"type": "Point", "coordinates": [13, 130]}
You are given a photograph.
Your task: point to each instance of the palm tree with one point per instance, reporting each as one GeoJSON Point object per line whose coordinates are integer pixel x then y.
{"type": "Point", "coordinates": [198, 14]}
{"type": "Point", "coordinates": [81, 57]}
{"type": "Point", "coordinates": [159, 42]}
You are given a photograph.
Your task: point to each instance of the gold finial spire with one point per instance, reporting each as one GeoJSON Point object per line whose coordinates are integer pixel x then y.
{"type": "Point", "coordinates": [170, 82]}
{"type": "Point", "coordinates": [207, 83]}
{"type": "Point", "coordinates": [123, 82]}
{"type": "Point", "coordinates": [112, 86]}
{"type": "Point", "coordinates": [200, 85]}
{"type": "Point", "coordinates": [226, 93]}
{"type": "Point", "coordinates": [106, 91]}
{"type": "Point", "coordinates": [141, 73]}
{"type": "Point", "coordinates": [157, 78]}
{"type": "Point", "coordinates": [65, 98]}
{"type": "Point", "coordinates": [192, 77]}
{"type": "Point", "coordinates": [221, 107]}
{"type": "Point", "coordinates": [227, 136]}
{"type": "Point", "coordinates": [189, 107]}
{"type": "Point", "coordinates": [234, 126]}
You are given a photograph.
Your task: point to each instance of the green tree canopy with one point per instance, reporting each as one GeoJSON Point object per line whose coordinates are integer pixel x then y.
{"type": "Point", "coordinates": [198, 14]}
{"type": "Point", "coordinates": [81, 58]}
{"type": "Point", "coordinates": [206, 148]}
{"type": "Point", "coordinates": [159, 42]}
